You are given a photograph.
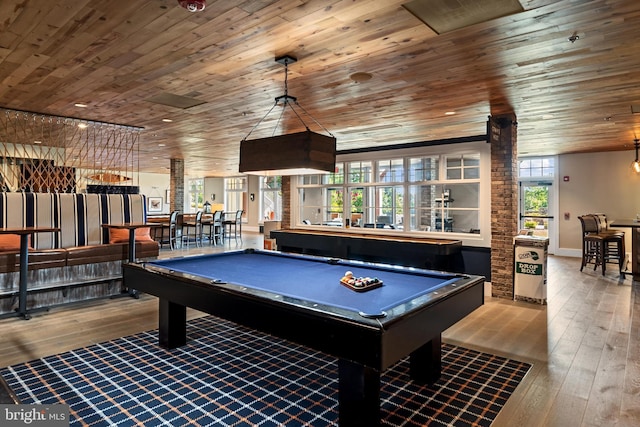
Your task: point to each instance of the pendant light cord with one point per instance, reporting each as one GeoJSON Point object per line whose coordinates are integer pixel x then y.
{"type": "Point", "coordinates": [290, 100]}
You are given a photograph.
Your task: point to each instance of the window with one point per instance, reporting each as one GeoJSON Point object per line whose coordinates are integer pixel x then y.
{"type": "Point", "coordinates": [390, 170]}
{"type": "Point", "coordinates": [538, 167]}
{"type": "Point", "coordinates": [321, 198]}
{"type": "Point", "coordinates": [436, 193]}
{"type": "Point", "coordinates": [271, 197]}
{"type": "Point", "coordinates": [359, 172]}
{"type": "Point", "coordinates": [196, 194]}
{"type": "Point", "coordinates": [235, 194]}
{"type": "Point", "coordinates": [423, 169]}
{"type": "Point", "coordinates": [463, 167]}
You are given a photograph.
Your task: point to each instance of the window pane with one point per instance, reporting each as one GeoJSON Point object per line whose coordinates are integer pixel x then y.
{"type": "Point", "coordinates": [537, 167]}
{"type": "Point", "coordinates": [471, 173]}
{"type": "Point", "coordinates": [312, 205]}
{"type": "Point", "coordinates": [454, 162]}
{"type": "Point", "coordinates": [471, 160]}
{"type": "Point", "coordinates": [454, 173]}
{"type": "Point", "coordinates": [271, 197]}
{"type": "Point", "coordinates": [235, 194]}
{"type": "Point", "coordinates": [335, 206]}
{"type": "Point", "coordinates": [423, 169]}
{"type": "Point", "coordinates": [311, 179]}
{"type": "Point", "coordinates": [336, 177]}
{"type": "Point", "coordinates": [463, 195]}
{"type": "Point", "coordinates": [360, 172]}
{"type": "Point", "coordinates": [357, 197]}
{"type": "Point", "coordinates": [196, 194]}
{"type": "Point", "coordinates": [390, 170]}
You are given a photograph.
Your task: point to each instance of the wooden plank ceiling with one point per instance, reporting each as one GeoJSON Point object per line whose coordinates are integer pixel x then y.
{"type": "Point", "coordinates": [115, 56]}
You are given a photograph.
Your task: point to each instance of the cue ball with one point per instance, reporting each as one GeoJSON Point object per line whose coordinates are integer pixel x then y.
{"type": "Point", "coordinates": [348, 274]}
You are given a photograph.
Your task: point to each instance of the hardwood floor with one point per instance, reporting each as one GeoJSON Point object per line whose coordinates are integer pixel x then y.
{"type": "Point", "coordinates": [584, 345]}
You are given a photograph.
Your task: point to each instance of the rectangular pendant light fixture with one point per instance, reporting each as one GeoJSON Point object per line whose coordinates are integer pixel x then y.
{"type": "Point", "coordinates": [298, 153]}
{"type": "Point", "coordinates": [293, 154]}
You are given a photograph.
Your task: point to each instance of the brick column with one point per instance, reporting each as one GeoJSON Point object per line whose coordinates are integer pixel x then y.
{"type": "Point", "coordinates": [504, 203]}
{"type": "Point", "coordinates": [286, 202]}
{"type": "Point", "coordinates": [176, 185]}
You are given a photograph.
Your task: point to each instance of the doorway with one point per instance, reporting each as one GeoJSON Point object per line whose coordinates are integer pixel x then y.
{"type": "Point", "coordinates": [536, 209]}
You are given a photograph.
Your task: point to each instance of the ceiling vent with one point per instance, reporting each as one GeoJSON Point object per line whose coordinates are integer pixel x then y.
{"type": "Point", "coordinates": [175, 101]}
{"type": "Point", "coordinates": [443, 16]}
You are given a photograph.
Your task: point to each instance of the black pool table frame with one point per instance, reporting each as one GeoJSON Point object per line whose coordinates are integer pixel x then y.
{"type": "Point", "coordinates": [365, 347]}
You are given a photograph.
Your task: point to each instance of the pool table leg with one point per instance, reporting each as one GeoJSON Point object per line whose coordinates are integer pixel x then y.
{"type": "Point", "coordinates": [172, 324]}
{"type": "Point", "coordinates": [425, 363]}
{"type": "Point", "coordinates": [358, 395]}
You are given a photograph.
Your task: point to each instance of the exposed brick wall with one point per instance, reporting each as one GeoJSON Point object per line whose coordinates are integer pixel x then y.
{"type": "Point", "coordinates": [286, 202]}
{"type": "Point", "coordinates": [176, 185]}
{"type": "Point", "coordinates": [504, 205]}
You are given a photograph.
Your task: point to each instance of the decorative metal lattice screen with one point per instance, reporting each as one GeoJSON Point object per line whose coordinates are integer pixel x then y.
{"type": "Point", "coordinates": [42, 153]}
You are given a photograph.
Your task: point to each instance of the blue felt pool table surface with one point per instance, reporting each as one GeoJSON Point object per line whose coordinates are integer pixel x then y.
{"type": "Point", "coordinates": [312, 279]}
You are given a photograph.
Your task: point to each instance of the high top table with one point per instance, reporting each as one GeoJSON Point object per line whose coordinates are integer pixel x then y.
{"type": "Point", "coordinates": [131, 226]}
{"type": "Point", "coordinates": [24, 233]}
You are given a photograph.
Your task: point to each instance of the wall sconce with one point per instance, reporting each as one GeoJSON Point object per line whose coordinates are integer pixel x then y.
{"type": "Point", "coordinates": [252, 197]}
{"type": "Point", "coordinates": [635, 165]}
{"type": "Point", "coordinates": [213, 196]}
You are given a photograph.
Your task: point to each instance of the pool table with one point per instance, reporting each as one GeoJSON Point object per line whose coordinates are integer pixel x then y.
{"type": "Point", "coordinates": [300, 298]}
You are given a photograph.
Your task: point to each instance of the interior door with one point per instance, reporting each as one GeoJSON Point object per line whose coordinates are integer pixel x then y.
{"type": "Point", "coordinates": [536, 210]}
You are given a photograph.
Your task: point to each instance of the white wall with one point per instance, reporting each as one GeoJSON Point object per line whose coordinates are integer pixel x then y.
{"type": "Point", "coordinates": [214, 187]}
{"type": "Point", "coordinates": [155, 185]}
{"type": "Point", "coordinates": [598, 183]}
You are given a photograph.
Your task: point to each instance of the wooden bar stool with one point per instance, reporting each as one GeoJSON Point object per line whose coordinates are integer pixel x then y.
{"type": "Point", "coordinates": [600, 245]}
{"type": "Point", "coordinates": [591, 242]}
{"type": "Point", "coordinates": [613, 249]}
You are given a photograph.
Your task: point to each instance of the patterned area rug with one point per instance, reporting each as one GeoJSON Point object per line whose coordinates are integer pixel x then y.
{"type": "Point", "coordinates": [229, 375]}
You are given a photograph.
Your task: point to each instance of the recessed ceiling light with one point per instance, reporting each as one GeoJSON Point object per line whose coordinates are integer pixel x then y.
{"type": "Point", "coordinates": [449, 113]}
{"type": "Point", "coordinates": [82, 125]}
{"type": "Point", "coordinates": [161, 145]}
{"type": "Point", "coordinates": [360, 77]}
{"type": "Point", "coordinates": [547, 116]}
{"type": "Point", "coordinates": [37, 142]}
{"type": "Point", "coordinates": [80, 105]}
{"type": "Point", "coordinates": [167, 120]}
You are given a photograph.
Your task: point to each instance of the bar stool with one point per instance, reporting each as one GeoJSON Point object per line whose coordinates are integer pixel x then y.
{"type": "Point", "coordinates": [215, 228]}
{"type": "Point", "coordinates": [173, 230]}
{"type": "Point", "coordinates": [613, 249]}
{"type": "Point", "coordinates": [601, 245]}
{"type": "Point", "coordinates": [235, 224]}
{"type": "Point", "coordinates": [591, 242]}
{"type": "Point", "coordinates": [196, 225]}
